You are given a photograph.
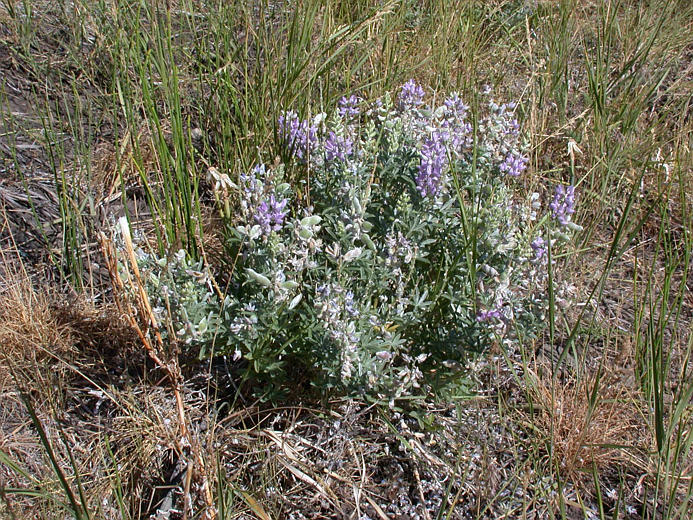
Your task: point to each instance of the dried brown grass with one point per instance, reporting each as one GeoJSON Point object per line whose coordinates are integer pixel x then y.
{"type": "Point", "coordinates": [30, 329]}
{"type": "Point", "coordinates": [588, 422]}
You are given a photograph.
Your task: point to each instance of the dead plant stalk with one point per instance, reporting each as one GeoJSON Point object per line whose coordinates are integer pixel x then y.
{"type": "Point", "coordinates": [187, 446]}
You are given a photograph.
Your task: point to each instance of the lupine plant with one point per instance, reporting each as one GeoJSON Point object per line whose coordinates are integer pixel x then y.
{"type": "Point", "coordinates": [406, 248]}
{"type": "Point", "coordinates": [181, 295]}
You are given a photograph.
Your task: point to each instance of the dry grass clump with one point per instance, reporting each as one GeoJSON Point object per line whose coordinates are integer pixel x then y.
{"type": "Point", "coordinates": [43, 327]}
{"type": "Point", "coordinates": [59, 355]}
{"type": "Point", "coordinates": [111, 428]}
{"type": "Point", "coordinates": [586, 423]}
{"type": "Point", "coordinates": [31, 331]}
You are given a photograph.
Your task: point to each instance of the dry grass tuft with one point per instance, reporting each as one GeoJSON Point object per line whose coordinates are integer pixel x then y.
{"type": "Point", "coordinates": [42, 327]}
{"type": "Point", "coordinates": [30, 329]}
{"type": "Point", "coordinates": [585, 423]}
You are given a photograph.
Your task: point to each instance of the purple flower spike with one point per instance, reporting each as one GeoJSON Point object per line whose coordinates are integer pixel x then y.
{"type": "Point", "coordinates": [457, 132]}
{"type": "Point", "coordinates": [433, 160]}
{"type": "Point", "coordinates": [563, 205]}
{"type": "Point", "coordinates": [348, 106]}
{"type": "Point", "coordinates": [337, 147]}
{"type": "Point", "coordinates": [455, 107]}
{"type": "Point", "coordinates": [299, 136]}
{"type": "Point", "coordinates": [514, 164]}
{"type": "Point", "coordinates": [270, 215]}
{"type": "Point", "coordinates": [539, 248]}
{"type": "Point", "coordinates": [411, 95]}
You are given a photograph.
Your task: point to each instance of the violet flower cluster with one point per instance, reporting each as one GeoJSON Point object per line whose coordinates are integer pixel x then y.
{"type": "Point", "coordinates": [504, 116]}
{"type": "Point", "coordinates": [563, 204]}
{"type": "Point", "coordinates": [300, 136]}
{"type": "Point", "coordinates": [270, 214]}
{"type": "Point", "coordinates": [539, 248]}
{"type": "Point", "coordinates": [514, 164]}
{"type": "Point", "coordinates": [456, 130]}
{"type": "Point", "coordinates": [259, 203]}
{"type": "Point", "coordinates": [433, 162]}
{"type": "Point", "coordinates": [337, 147]}
{"type": "Point", "coordinates": [411, 95]}
{"type": "Point", "coordinates": [502, 139]}
{"type": "Point", "coordinates": [453, 136]}
{"type": "Point", "coordinates": [348, 106]}
{"type": "Point", "coordinates": [489, 315]}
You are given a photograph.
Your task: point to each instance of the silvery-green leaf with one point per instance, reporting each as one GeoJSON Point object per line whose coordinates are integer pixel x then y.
{"type": "Point", "coordinates": [202, 326]}
{"type": "Point", "coordinates": [259, 278]}
{"type": "Point", "coordinates": [255, 232]}
{"type": "Point", "coordinates": [489, 270]}
{"type": "Point", "coordinates": [534, 198]}
{"type": "Point", "coordinates": [508, 246]}
{"type": "Point", "coordinates": [367, 226]}
{"type": "Point", "coordinates": [310, 221]}
{"type": "Point", "coordinates": [352, 254]}
{"type": "Point", "coordinates": [421, 357]}
{"type": "Point", "coordinates": [284, 187]}
{"type": "Point", "coordinates": [357, 205]}
{"type": "Point", "coordinates": [305, 233]}
{"type": "Point", "coordinates": [289, 284]}
{"type": "Point", "coordinates": [295, 301]}
{"type": "Point", "coordinates": [573, 226]}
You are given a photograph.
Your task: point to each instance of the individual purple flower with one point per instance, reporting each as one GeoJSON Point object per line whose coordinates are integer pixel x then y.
{"type": "Point", "coordinates": [455, 107]}
{"type": "Point", "coordinates": [411, 95]}
{"type": "Point", "coordinates": [539, 248]}
{"type": "Point", "coordinates": [253, 183]}
{"type": "Point", "coordinates": [270, 215]}
{"type": "Point", "coordinates": [514, 164]}
{"type": "Point", "coordinates": [433, 161]}
{"type": "Point", "coordinates": [337, 147]}
{"type": "Point", "coordinates": [491, 314]}
{"type": "Point", "coordinates": [563, 204]}
{"type": "Point", "coordinates": [348, 106]}
{"type": "Point", "coordinates": [299, 136]}
{"type": "Point", "coordinates": [349, 303]}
